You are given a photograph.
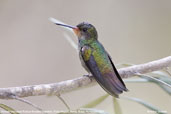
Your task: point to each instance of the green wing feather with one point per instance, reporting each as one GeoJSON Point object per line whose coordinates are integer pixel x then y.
{"type": "Point", "coordinates": [110, 81]}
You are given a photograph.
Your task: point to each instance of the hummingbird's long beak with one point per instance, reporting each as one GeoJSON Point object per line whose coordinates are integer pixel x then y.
{"type": "Point", "coordinates": [64, 25]}
{"type": "Point", "coordinates": [75, 29]}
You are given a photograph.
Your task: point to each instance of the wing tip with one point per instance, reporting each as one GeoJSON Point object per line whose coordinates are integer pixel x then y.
{"type": "Point", "coordinates": [126, 90]}
{"type": "Point", "coordinates": [113, 95]}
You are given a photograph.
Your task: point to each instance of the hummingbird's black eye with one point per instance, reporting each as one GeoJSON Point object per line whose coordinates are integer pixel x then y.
{"type": "Point", "coordinates": [84, 29]}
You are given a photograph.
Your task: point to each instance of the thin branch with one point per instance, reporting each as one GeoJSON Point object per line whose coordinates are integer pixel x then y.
{"type": "Point", "coordinates": [68, 38]}
{"type": "Point", "coordinates": [29, 103]}
{"type": "Point", "coordinates": [63, 101]}
{"type": "Point", "coordinates": [146, 67]}
{"type": "Point", "coordinates": [167, 71]}
{"type": "Point", "coordinates": [84, 81]}
{"type": "Point", "coordinates": [155, 79]}
{"type": "Point", "coordinates": [139, 80]}
{"type": "Point", "coordinates": [144, 103]}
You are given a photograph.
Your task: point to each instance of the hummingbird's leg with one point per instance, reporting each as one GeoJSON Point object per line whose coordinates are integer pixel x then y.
{"type": "Point", "coordinates": [88, 75]}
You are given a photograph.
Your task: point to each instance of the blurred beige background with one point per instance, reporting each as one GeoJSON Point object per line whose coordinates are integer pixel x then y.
{"type": "Point", "coordinates": [34, 51]}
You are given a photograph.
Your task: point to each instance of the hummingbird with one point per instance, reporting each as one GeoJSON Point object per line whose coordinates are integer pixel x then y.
{"type": "Point", "coordinates": [96, 60]}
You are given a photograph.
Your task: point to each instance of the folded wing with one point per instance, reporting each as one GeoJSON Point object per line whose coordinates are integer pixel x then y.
{"type": "Point", "coordinates": [111, 81]}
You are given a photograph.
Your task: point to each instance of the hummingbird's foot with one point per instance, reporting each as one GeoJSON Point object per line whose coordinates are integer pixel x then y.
{"type": "Point", "coordinates": [87, 75]}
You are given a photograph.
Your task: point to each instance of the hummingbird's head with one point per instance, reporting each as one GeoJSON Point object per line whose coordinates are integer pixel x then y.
{"type": "Point", "coordinates": [85, 31]}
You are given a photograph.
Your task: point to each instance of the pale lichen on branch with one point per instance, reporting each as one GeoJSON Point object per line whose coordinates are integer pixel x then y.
{"type": "Point", "coordinates": [70, 85]}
